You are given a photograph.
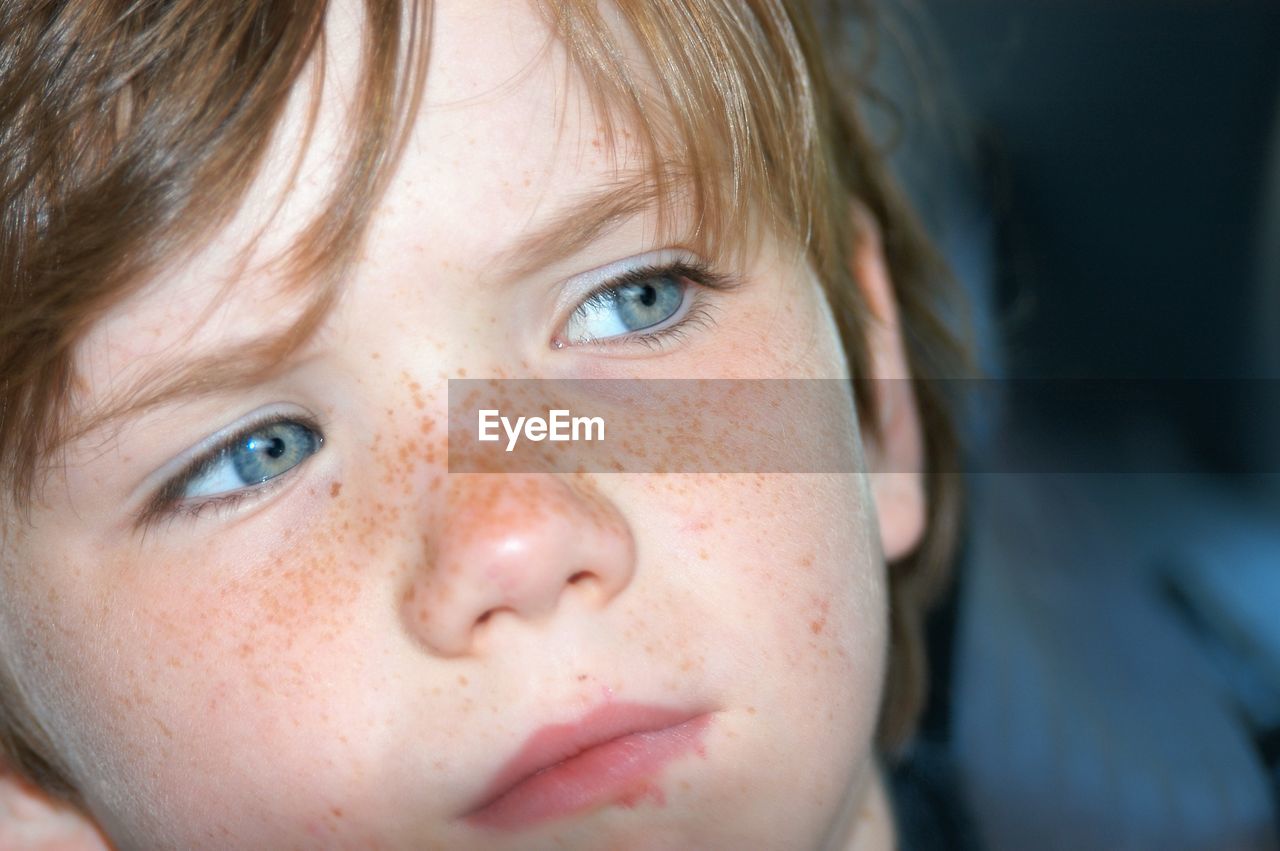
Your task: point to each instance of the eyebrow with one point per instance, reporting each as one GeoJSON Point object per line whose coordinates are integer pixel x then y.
{"type": "Point", "coordinates": [586, 219]}
{"type": "Point", "coordinates": [247, 364]}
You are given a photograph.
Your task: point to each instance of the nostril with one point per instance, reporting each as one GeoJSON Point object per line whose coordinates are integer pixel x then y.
{"type": "Point", "coordinates": [580, 576]}
{"type": "Point", "coordinates": [488, 616]}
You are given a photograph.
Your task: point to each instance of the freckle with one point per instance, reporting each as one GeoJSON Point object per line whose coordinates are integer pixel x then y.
{"type": "Point", "coordinates": [815, 627]}
{"type": "Point", "coordinates": [462, 681]}
{"type": "Point", "coordinates": [375, 356]}
{"type": "Point", "coordinates": [335, 489]}
{"type": "Point", "coordinates": [751, 710]}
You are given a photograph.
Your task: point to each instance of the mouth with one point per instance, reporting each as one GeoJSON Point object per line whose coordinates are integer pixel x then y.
{"type": "Point", "coordinates": [612, 755]}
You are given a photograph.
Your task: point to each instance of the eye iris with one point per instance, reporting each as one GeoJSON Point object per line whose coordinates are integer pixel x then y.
{"type": "Point", "coordinates": [273, 450]}
{"type": "Point", "coordinates": [644, 305]}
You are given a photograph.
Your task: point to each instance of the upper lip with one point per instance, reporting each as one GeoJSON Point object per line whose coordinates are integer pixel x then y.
{"type": "Point", "coordinates": [553, 744]}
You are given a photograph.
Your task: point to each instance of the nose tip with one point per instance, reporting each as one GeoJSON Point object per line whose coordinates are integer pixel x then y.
{"type": "Point", "coordinates": [515, 546]}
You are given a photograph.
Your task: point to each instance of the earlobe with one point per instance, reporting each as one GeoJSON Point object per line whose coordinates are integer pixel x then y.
{"type": "Point", "coordinates": [895, 452]}
{"type": "Point", "coordinates": [32, 820]}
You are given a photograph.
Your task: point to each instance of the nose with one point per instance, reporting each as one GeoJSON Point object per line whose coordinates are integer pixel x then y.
{"type": "Point", "coordinates": [514, 546]}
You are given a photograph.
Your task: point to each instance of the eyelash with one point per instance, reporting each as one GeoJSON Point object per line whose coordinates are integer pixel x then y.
{"type": "Point", "coordinates": [698, 315]}
{"type": "Point", "coordinates": [168, 505]}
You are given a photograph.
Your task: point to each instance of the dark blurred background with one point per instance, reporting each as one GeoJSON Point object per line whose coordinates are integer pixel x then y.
{"type": "Point", "coordinates": [1104, 176]}
{"type": "Point", "coordinates": [1127, 150]}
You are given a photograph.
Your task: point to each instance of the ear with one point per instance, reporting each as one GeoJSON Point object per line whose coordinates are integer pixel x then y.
{"type": "Point", "coordinates": [32, 820]}
{"type": "Point", "coordinates": [895, 453]}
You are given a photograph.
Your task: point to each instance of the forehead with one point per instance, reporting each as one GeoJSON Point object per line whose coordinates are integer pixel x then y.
{"type": "Point", "coordinates": [506, 135]}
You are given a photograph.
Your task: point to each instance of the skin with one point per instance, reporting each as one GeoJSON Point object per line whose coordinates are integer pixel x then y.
{"type": "Point", "coordinates": [346, 658]}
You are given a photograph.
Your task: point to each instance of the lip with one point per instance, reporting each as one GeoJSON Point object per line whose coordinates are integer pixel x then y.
{"type": "Point", "coordinates": [610, 755]}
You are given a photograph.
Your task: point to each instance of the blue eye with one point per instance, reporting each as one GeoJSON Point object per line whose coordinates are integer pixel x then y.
{"type": "Point", "coordinates": [640, 301]}
{"type": "Point", "coordinates": [251, 458]}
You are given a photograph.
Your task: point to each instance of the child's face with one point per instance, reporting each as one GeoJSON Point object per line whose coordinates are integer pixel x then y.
{"type": "Point", "coordinates": [353, 653]}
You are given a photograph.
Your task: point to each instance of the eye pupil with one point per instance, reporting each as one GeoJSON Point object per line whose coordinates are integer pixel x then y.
{"type": "Point", "coordinates": [276, 449]}
{"type": "Point", "coordinates": [648, 296]}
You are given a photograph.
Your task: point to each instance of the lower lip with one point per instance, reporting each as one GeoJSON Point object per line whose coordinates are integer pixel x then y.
{"type": "Point", "coordinates": [620, 771]}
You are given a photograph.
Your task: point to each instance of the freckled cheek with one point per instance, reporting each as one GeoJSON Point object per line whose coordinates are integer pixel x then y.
{"type": "Point", "coordinates": [776, 581]}
{"type": "Point", "coordinates": [203, 672]}
{"type": "Point", "coordinates": [790, 559]}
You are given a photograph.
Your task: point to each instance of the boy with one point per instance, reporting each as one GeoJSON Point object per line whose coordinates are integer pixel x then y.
{"type": "Point", "coordinates": [245, 605]}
